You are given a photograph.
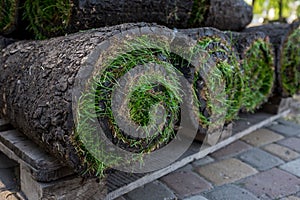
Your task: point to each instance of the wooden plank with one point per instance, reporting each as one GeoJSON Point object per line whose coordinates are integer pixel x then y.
{"type": "Point", "coordinates": [246, 125]}
{"type": "Point", "coordinates": [72, 187]}
{"type": "Point", "coordinates": [43, 166]}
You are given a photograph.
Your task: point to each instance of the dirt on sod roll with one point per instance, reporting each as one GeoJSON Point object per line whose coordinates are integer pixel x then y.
{"type": "Point", "coordinates": [219, 47]}
{"type": "Point", "coordinates": [46, 18]}
{"type": "Point", "coordinates": [285, 39]}
{"type": "Point", "coordinates": [60, 92]}
{"type": "Point", "coordinates": [257, 67]}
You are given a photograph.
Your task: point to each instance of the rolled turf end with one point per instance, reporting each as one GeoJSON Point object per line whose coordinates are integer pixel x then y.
{"type": "Point", "coordinates": [258, 69]}
{"type": "Point", "coordinates": [228, 64]}
{"type": "Point", "coordinates": [290, 67]}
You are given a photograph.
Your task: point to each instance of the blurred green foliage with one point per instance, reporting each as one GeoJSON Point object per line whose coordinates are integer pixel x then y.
{"type": "Point", "coordinates": [287, 8]}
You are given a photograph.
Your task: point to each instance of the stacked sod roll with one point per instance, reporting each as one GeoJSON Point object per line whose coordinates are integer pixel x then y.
{"type": "Point", "coordinates": [219, 47]}
{"type": "Point", "coordinates": [51, 18]}
{"type": "Point", "coordinates": [128, 77]}
{"type": "Point", "coordinates": [257, 67]}
{"type": "Point", "coordinates": [286, 40]}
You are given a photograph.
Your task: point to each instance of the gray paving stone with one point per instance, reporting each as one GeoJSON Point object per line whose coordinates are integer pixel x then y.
{"type": "Point", "coordinates": [282, 152]}
{"type": "Point", "coordinates": [260, 159]}
{"type": "Point", "coordinates": [285, 130]}
{"type": "Point", "coordinates": [261, 137]}
{"type": "Point", "coordinates": [186, 168]}
{"type": "Point", "coordinates": [292, 143]}
{"type": "Point", "coordinates": [203, 161]}
{"type": "Point", "coordinates": [288, 123]}
{"type": "Point", "coordinates": [271, 184]}
{"type": "Point", "coordinates": [186, 184]}
{"type": "Point", "coordinates": [292, 167]}
{"type": "Point", "coordinates": [229, 192]}
{"type": "Point", "coordinates": [231, 150]}
{"type": "Point", "coordinates": [226, 171]}
{"type": "Point", "coordinates": [197, 197]}
{"type": "Point", "coordinates": [152, 191]}
{"type": "Point", "coordinates": [290, 198]}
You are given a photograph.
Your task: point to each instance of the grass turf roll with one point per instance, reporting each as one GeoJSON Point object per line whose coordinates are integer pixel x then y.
{"type": "Point", "coordinates": [257, 66]}
{"type": "Point", "coordinates": [79, 95]}
{"type": "Point", "coordinates": [219, 47]}
{"type": "Point", "coordinates": [46, 18]}
{"type": "Point", "coordinates": [285, 41]}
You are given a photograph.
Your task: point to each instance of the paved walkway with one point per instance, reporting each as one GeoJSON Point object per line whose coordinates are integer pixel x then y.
{"type": "Point", "coordinates": [263, 165]}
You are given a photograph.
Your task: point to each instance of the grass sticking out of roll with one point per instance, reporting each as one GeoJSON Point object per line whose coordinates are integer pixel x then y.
{"type": "Point", "coordinates": [199, 11]}
{"type": "Point", "coordinates": [8, 15]}
{"type": "Point", "coordinates": [229, 68]}
{"type": "Point", "coordinates": [290, 68]}
{"type": "Point", "coordinates": [258, 69]}
{"type": "Point", "coordinates": [147, 92]}
{"type": "Point", "coordinates": [143, 97]}
{"type": "Point", "coordinates": [47, 17]}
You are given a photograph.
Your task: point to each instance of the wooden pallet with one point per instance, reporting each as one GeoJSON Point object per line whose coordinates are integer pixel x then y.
{"type": "Point", "coordinates": [44, 177]}
{"type": "Point", "coordinates": [41, 175]}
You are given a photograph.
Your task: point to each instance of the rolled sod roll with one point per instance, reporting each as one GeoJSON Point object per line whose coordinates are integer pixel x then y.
{"type": "Point", "coordinates": [219, 47]}
{"type": "Point", "coordinates": [52, 18]}
{"type": "Point", "coordinates": [286, 43]}
{"type": "Point", "coordinates": [257, 66]}
{"type": "Point", "coordinates": [115, 97]}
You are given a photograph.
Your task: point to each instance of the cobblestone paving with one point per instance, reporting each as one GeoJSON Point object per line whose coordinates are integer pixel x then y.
{"type": "Point", "coordinates": [263, 165]}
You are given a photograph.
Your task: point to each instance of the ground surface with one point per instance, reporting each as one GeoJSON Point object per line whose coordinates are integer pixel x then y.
{"type": "Point", "coordinates": [263, 165]}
